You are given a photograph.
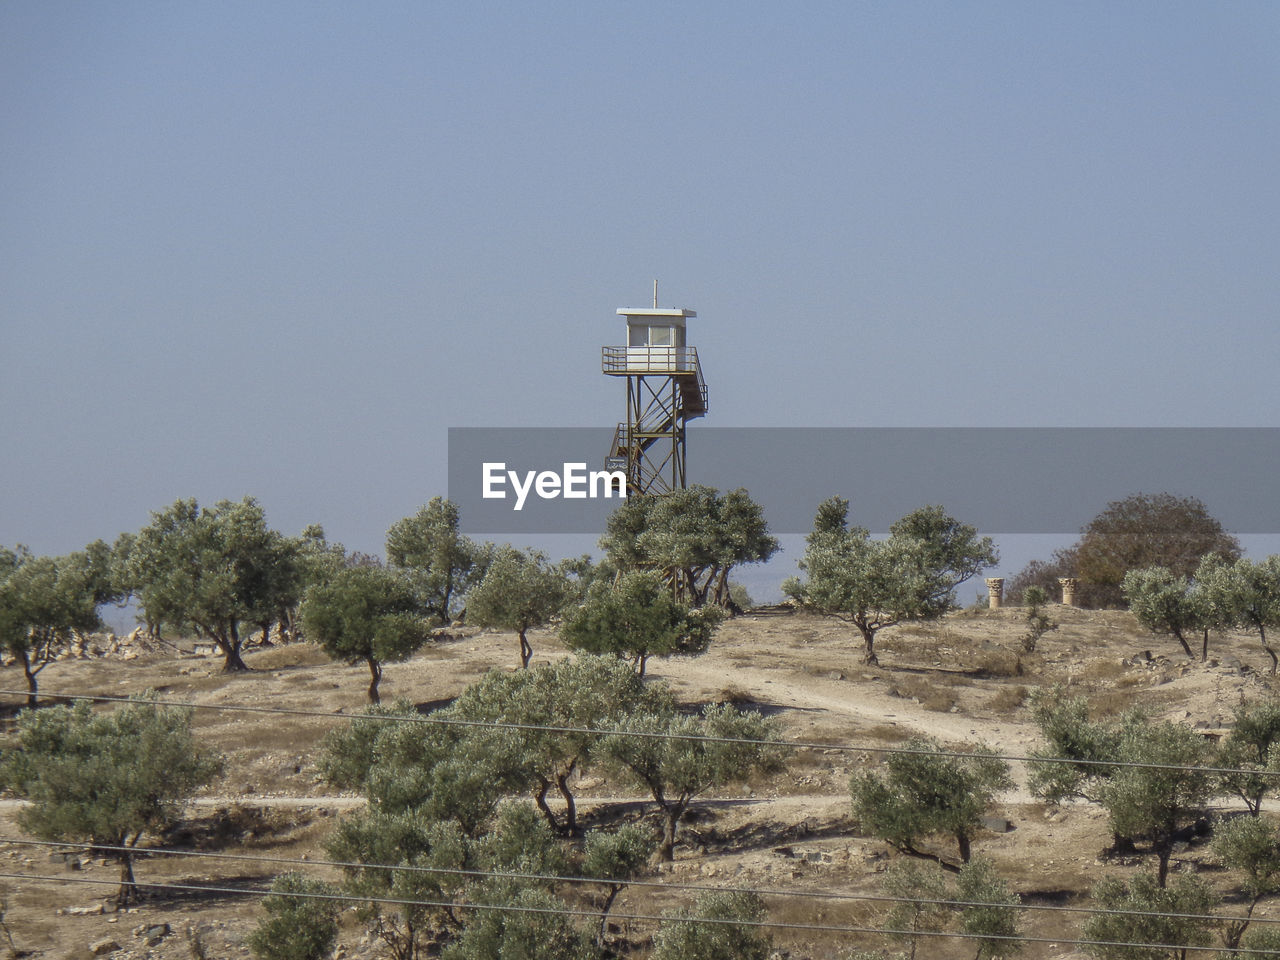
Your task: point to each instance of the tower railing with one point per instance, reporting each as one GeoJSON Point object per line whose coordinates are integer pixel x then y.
{"type": "Point", "coordinates": [679, 362]}
{"type": "Point", "coordinates": [625, 360]}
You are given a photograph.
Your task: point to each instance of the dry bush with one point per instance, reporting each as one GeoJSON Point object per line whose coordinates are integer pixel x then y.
{"type": "Point", "coordinates": [927, 691]}
{"type": "Point", "coordinates": [285, 655]}
{"type": "Point", "coordinates": [1103, 669]}
{"type": "Point", "coordinates": [884, 733]}
{"type": "Point", "coordinates": [997, 662]}
{"type": "Point", "coordinates": [1007, 698]}
{"type": "Point", "coordinates": [735, 695]}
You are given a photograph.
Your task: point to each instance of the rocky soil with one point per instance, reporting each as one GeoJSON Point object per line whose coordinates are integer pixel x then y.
{"type": "Point", "coordinates": [962, 680]}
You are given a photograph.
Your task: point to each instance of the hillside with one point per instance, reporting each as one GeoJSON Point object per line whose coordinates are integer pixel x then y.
{"type": "Point", "coordinates": [961, 680]}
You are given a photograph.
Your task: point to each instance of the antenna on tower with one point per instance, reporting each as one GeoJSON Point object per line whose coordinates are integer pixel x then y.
{"type": "Point", "coordinates": [655, 294]}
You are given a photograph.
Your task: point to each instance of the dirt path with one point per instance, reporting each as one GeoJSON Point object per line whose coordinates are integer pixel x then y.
{"type": "Point", "coordinates": [781, 688]}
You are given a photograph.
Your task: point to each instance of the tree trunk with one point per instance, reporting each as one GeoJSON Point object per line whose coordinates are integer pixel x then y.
{"type": "Point", "coordinates": [1262, 633]}
{"type": "Point", "coordinates": [869, 646]}
{"type": "Point", "coordinates": [375, 674]}
{"type": "Point", "coordinates": [526, 651]}
{"type": "Point", "coordinates": [31, 680]}
{"type": "Point", "coordinates": [1204, 647]}
{"type": "Point", "coordinates": [571, 808]}
{"type": "Point", "coordinates": [670, 817]}
{"type": "Point", "coordinates": [1164, 850]}
{"type": "Point", "coordinates": [1183, 640]}
{"type": "Point", "coordinates": [1233, 932]}
{"type": "Point", "coordinates": [604, 913]}
{"type": "Point", "coordinates": [128, 892]}
{"type": "Point", "coordinates": [229, 644]}
{"type": "Point", "coordinates": [540, 798]}
{"type": "Point", "coordinates": [642, 659]}
{"type": "Point", "coordinates": [965, 850]}
{"type": "Point", "coordinates": [942, 862]}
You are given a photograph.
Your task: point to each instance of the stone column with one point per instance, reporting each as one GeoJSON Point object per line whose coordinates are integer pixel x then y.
{"type": "Point", "coordinates": [1068, 585]}
{"type": "Point", "coordinates": [995, 592]}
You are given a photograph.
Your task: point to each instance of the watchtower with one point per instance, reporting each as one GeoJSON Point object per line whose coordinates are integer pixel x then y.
{"type": "Point", "coordinates": [665, 389]}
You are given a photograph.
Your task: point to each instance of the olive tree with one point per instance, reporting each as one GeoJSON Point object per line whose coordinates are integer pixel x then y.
{"type": "Point", "coordinates": [443, 563]}
{"type": "Point", "coordinates": [520, 590]}
{"type": "Point", "coordinates": [391, 860]}
{"type": "Point", "coordinates": [1244, 593]}
{"type": "Point", "coordinates": [873, 584]}
{"type": "Point", "coordinates": [554, 704]}
{"type": "Point", "coordinates": [695, 537]}
{"type": "Point", "coordinates": [1251, 847]}
{"type": "Point", "coordinates": [365, 614]}
{"type": "Point", "coordinates": [637, 616]}
{"type": "Point", "coordinates": [922, 911]}
{"type": "Point", "coordinates": [1146, 774]}
{"type": "Point", "coordinates": [521, 923]}
{"type": "Point", "coordinates": [1168, 605]}
{"type": "Point", "coordinates": [43, 601]}
{"type": "Point", "coordinates": [1248, 748]}
{"type": "Point", "coordinates": [301, 921]}
{"type": "Point", "coordinates": [923, 791]}
{"type": "Point", "coordinates": [733, 934]}
{"type": "Point", "coordinates": [677, 758]}
{"type": "Point", "coordinates": [106, 778]}
{"type": "Point", "coordinates": [1146, 912]}
{"type": "Point", "coordinates": [1080, 753]}
{"type": "Point", "coordinates": [616, 856]}
{"type": "Point", "coordinates": [917, 913]}
{"type": "Point", "coordinates": [401, 762]}
{"type": "Point", "coordinates": [990, 913]}
{"type": "Point", "coordinates": [214, 569]}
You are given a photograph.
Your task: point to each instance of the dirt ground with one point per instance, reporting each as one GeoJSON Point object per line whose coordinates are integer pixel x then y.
{"type": "Point", "coordinates": [962, 680]}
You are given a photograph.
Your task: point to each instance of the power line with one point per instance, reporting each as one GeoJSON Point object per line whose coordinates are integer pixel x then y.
{"type": "Point", "coordinates": [651, 734]}
{"type": "Point", "coordinates": [569, 912]}
{"type": "Point", "coordinates": [658, 884]}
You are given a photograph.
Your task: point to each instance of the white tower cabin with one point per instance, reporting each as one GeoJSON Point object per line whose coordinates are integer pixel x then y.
{"type": "Point", "coordinates": [664, 390]}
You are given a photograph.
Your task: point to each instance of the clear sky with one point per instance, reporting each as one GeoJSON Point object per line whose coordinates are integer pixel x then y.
{"type": "Point", "coordinates": [278, 249]}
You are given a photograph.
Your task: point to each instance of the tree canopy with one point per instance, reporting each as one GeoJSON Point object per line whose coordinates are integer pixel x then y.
{"type": "Point", "coordinates": [105, 777]}
{"type": "Point", "coordinates": [873, 584]}
{"type": "Point", "coordinates": [923, 792]}
{"type": "Point", "coordinates": [44, 600]}
{"type": "Point", "coordinates": [442, 562]}
{"type": "Point", "coordinates": [1137, 532]}
{"type": "Point", "coordinates": [677, 758]}
{"type": "Point", "coordinates": [368, 614]}
{"type": "Point", "coordinates": [300, 923]}
{"type": "Point", "coordinates": [737, 935]}
{"type": "Point", "coordinates": [521, 590]}
{"type": "Point", "coordinates": [637, 616]}
{"type": "Point", "coordinates": [1242, 593]}
{"type": "Point", "coordinates": [1168, 605]}
{"type": "Point", "coordinates": [213, 569]}
{"type": "Point", "coordinates": [695, 537]}
{"type": "Point", "coordinates": [1145, 530]}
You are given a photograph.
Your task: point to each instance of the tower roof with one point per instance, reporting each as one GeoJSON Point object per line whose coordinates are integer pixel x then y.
{"type": "Point", "coordinates": [667, 312]}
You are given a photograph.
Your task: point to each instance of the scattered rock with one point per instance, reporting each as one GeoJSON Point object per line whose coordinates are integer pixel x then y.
{"type": "Point", "coordinates": [104, 946]}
